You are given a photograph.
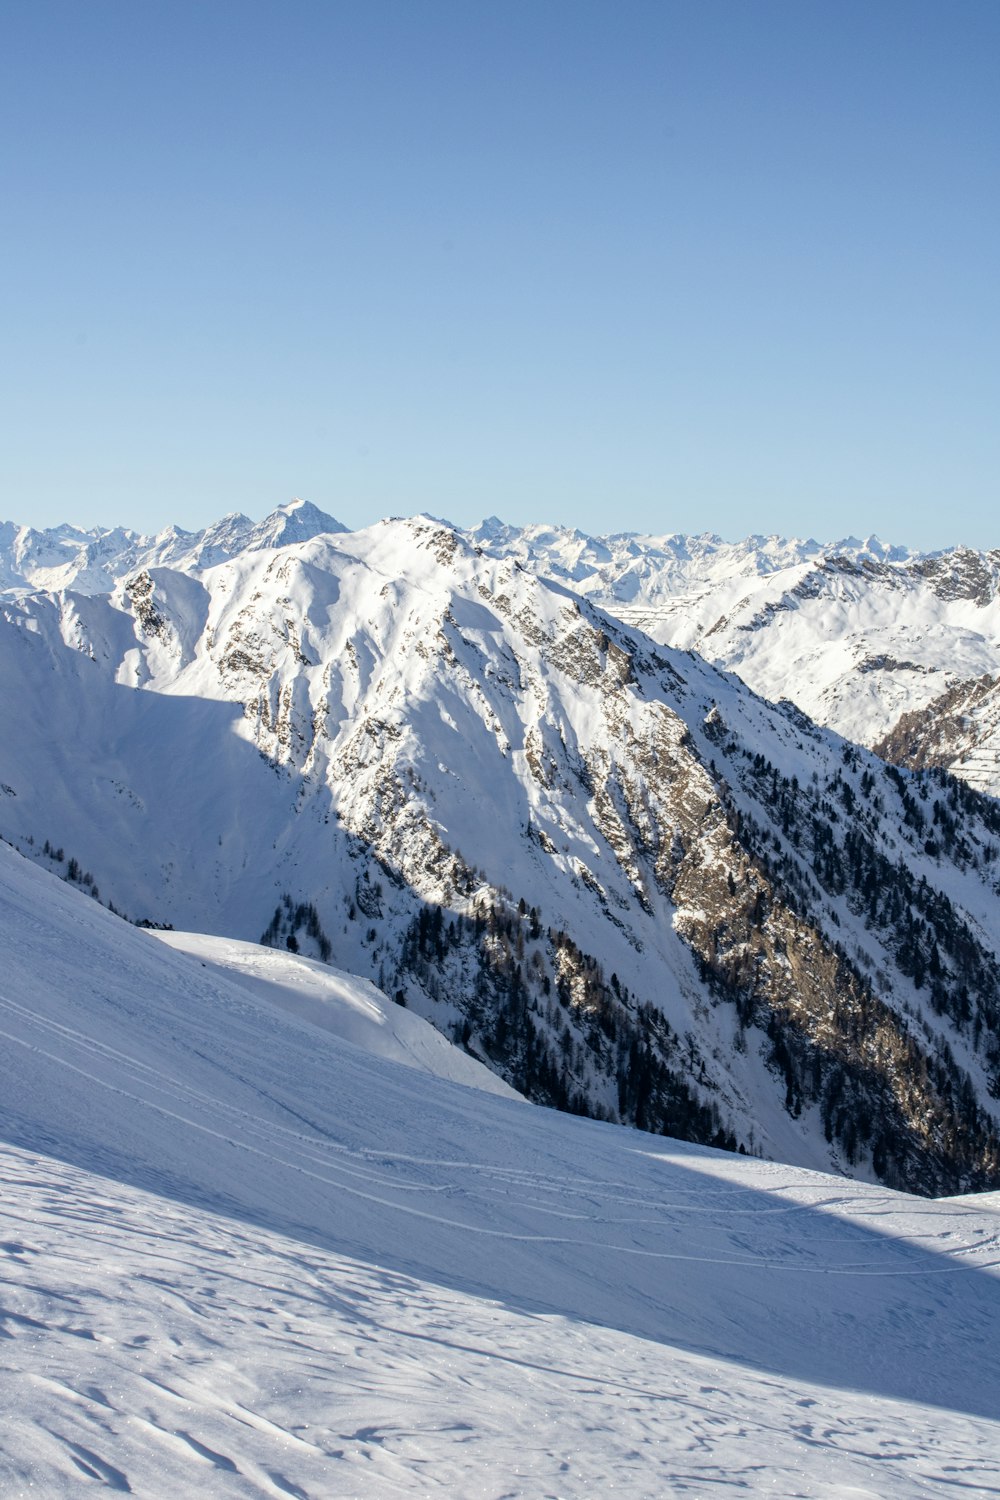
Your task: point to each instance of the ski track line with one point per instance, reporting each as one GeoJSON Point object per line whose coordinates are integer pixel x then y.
{"type": "Point", "coordinates": [770, 1263]}
{"type": "Point", "coordinates": [154, 1080]}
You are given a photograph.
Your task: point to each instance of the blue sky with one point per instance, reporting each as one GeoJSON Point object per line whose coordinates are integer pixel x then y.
{"type": "Point", "coordinates": [726, 265]}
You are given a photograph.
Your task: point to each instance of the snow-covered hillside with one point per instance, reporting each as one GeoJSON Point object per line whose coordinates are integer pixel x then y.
{"type": "Point", "coordinates": [610, 871]}
{"type": "Point", "coordinates": [959, 730]}
{"type": "Point", "coordinates": [244, 1257]}
{"type": "Point", "coordinates": [345, 1005]}
{"type": "Point", "coordinates": [862, 636]}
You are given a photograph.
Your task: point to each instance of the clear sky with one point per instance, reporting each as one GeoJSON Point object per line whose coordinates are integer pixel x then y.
{"type": "Point", "coordinates": [726, 265]}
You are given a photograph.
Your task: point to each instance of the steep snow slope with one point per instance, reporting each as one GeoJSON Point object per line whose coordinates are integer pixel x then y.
{"type": "Point", "coordinates": [245, 1258]}
{"type": "Point", "coordinates": [634, 888]}
{"type": "Point", "coordinates": [856, 633]}
{"type": "Point", "coordinates": [345, 1005]}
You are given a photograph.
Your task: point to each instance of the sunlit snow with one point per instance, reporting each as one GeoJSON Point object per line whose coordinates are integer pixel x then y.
{"type": "Point", "coordinates": [244, 1256]}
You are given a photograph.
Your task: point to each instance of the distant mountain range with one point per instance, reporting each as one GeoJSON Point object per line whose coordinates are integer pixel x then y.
{"type": "Point", "coordinates": [91, 561]}
{"type": "Point", "coordinates": [860, 635]}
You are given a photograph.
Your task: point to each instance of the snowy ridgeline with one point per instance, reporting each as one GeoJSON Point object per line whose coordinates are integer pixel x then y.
{"type": "Point", "coordinates": [249, 1253]}
{"type": "Point", "coordinates": [887, 646]}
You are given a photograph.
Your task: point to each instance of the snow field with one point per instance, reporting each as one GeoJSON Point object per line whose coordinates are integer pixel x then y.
{"type": "Point", "coordinates": [243, 1256]}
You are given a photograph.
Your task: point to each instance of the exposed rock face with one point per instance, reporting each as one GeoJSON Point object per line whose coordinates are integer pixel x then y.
{"type": "Point", "coordinates": [613, 873]}
{"type": "Point", "coordinates": [958, 731]}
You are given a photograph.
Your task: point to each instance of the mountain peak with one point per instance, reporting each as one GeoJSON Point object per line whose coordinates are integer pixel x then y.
{"type": "Point", "coordinates": [297, 521]}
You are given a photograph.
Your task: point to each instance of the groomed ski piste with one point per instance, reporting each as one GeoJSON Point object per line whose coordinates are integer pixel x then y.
{"type": "Point", "coordinates": [265, 1234]}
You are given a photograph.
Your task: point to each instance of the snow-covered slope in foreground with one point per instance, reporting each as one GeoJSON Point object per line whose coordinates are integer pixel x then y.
{"type": "Point", "coordinates": [345, 1005]}
{"type": "Point", "coordinates": [246, 1258]}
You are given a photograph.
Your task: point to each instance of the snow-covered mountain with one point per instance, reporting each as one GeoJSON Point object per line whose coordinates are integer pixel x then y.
{"type": "Point", "coordinates": [246, 1257]}
{"type": "Point", "coordinates": [856, 633]}
{"type": "Point", "coordinates": [610, 871]}
{"type": "Point", "coordinates": [861, 635]}
{"type": "Point", "coordinates": [92, 561]}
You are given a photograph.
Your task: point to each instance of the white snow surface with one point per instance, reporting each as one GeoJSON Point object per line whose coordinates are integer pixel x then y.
{"type": "Point", "coordinates": [346, 1005]}
{"type": "Point", "coordinates": [243, 1257]}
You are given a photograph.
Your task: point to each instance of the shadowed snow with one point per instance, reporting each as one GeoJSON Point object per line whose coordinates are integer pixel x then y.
{"type": "Point", "coordinates": [247, 1257]}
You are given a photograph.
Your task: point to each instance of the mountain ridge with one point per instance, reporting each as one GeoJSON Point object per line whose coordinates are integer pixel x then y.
{"type": "Point", "coordinates": [861, 634]}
